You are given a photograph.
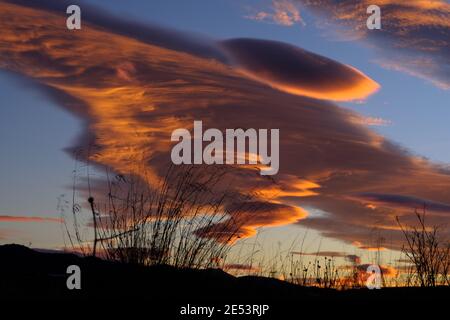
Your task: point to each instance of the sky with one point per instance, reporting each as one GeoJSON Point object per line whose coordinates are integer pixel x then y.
{"type": "Point", "coordinates": [363, 139]}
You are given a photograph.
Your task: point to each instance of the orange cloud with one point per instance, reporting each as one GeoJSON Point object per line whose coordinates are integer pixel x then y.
{"type": "Point", "coordinates": [133, 89]}
{"type": "Point", "coordinates": [414, 37]}
{"type": "Point", "coordinates": [387, 271]}
{"type": "Point", "coordinates": [359, 245]}
{"type": "Point", "coordinates": [284, 12]}
{"type": "Point", "coordinates": [297, 71]}
{"type": "Point", "coordinates": [362, 275]}
{"type": "Point", "coordinates": [248, 217]}
{"type": "Point", "coordinates": [28, 219]}
{"type": "Point", "coordinates": [372, 121]}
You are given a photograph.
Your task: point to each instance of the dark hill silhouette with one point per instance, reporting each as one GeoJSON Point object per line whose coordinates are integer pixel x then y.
{"type": "Point", "coordinates": [28, 274]}
{"type": "Point", "coordinates": [34, 274]}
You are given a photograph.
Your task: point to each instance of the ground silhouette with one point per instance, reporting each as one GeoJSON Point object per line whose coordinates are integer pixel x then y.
{"type": "Point", "coordinates": [27, 274]}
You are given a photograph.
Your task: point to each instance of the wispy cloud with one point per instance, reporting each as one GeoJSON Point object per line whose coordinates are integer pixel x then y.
{"type": "Point", "coordinates": [282, 12]}
{"type": "Point", "coordinates": [332, 254]}
{"type": "Point", "coordinates": [404, 202]}
{"type": "Point", "coordinates": [415, 34]}
{"type": "Point", "coordinates": [240, 267]}
{"type": "Point", "coordinates": [386, 270]}
{"type": "Point", "coordinates": [372, 121]}
{"type": "Point", "coordinates": [359, 245]}
{"type": "Point", "coordinates": [29, 219]}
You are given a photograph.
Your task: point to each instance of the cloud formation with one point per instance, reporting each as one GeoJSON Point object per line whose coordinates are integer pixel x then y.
{"type": "Point", "coordinates": [29, 219]}
{"type": "Point", "coordinates": [297, 71]}
{"type": "Point", "coordinates": [132, 89]}
{"type": "Point", "coordinates": [415, 34]}
{"type": "Point", "coordinates": [404, 202]}
{"type": "Point", "coordinates": [283, 12]}
{"type": "Point", "coordinates": [332, 254]}
{"type": "Point", "coordinates": [372, 121]}
{"type": "Point", "coordinates": [236, 267]}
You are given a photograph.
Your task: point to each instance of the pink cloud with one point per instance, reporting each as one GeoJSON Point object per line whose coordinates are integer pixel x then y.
{"type": "Point", "coordinates": [29, 219]}
{"type": "Point", "coordinates": [283, 12]}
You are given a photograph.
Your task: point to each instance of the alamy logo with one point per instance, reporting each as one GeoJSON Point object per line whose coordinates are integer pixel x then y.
{"type": "Point", "coordinates": [374, 279]}
{"type": "Point", "coordinates": [214, 152]}
{"type": "Point", "coordinates": [374, 20]}
{"type": "Point", "coordinates": [74, 280]}
{"type": "Point", "coordinates": [73, 22]}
